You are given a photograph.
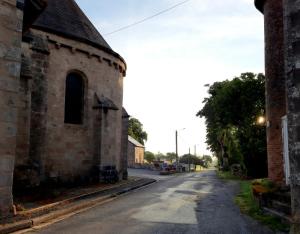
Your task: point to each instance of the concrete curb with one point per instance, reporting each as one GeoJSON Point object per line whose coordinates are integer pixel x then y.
{"type": "Point", "coordinates": [69, 200]}
{"type": "Point", "coordinates": [73, 206]}
{"type": "Point", "coordinates": [16, 226]}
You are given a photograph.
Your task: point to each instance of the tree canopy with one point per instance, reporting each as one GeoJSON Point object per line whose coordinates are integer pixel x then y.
{"type": "Point", "coordinates": [207, 160]}
{"type": "Point", "coordinates": [135, 130]}
{"type": "Point", "coordinates": [231, 112]}
{"type": "Point", "coordinates": [192, 159]}
{"type": "Point", "coordinates": [149, 156]}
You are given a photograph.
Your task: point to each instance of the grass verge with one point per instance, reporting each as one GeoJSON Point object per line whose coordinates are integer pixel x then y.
{"type": "Point", "coordinates": [226, 175]}
{"type": "Point", "coordinates": [249, 206]}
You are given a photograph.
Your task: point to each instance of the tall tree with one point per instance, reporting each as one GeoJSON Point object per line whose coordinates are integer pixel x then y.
{"type": "Point", "coordinates": [231, 111]}
{"type": "Point", "coordinates": [192, 159]}
{"type": "Point", "coordinates": [135, 130]}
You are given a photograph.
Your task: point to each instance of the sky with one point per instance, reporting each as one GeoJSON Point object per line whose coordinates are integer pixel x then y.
{"type": "Point", "coordinates": [173, 56]}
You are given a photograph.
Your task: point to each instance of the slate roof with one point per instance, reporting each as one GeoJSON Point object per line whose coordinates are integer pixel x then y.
{"type": "Point", "coordinates": [135, 142]}
{"type": "Point", "coordinates": [65, 18]}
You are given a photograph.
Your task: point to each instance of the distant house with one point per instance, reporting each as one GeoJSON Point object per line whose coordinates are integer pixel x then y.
{"type": "Point", "coordinates": [136, 152]}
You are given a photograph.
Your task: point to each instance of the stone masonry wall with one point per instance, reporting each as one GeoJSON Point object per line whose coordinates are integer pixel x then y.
{"type": "Point", "coordinates": [292, 69]}
{"type": "Point", "coordinates": [10, 63]}
{"type": "Point", "coordinates": [275, 87]}
{"type": "Point", "coordinates": [31, 140]}
{"type": "Point", "coordinates": [70, 153]}
{"type": "Point", "coordinates": [124, 144]}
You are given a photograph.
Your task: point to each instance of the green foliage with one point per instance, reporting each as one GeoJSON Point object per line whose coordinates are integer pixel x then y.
{"type": "Point", "coordinates": [149, 156]}
{"type": "Point", "coordinates": [159, 156]}
{"type": "Point", "coordinates": [231, 111]}
{"type": "Point", "coordinates": [192, 159]}
{"type": "Point", "coordinates": [265, 182]}
{"type": "Point", "coordinates": [249, 206]}
{"type": "Point", "coordinates": [171, 157]}
{"type": "Point", "coordinates": [226, 175]}
{"type": "Point", "coordinates": [135, 130]}
{"type": "Point", "coordinates": [207, 160]}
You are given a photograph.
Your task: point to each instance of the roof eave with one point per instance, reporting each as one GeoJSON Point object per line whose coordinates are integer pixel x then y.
{"type": "Point", "coordinates": [260, 5]}
{"type": "Point", "coordinates": [107, 50]}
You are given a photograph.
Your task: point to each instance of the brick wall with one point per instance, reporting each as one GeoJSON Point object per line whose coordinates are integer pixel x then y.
{"type": "Point", "coordinates": [10, 63]}
{"type": "Point", "coordinates": [292, 69]}
{"type": "Point", "coordinates": [275, 87]}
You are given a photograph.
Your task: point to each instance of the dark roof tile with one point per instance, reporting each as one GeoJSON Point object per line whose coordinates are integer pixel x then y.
{"type": "Point", "coordinates": [65, 18]}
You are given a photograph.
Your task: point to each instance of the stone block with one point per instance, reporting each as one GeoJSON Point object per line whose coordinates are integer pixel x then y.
{"type": "Point", "coordinates": [8, 115]}
{"type": "Point", "coordinates": [13, 68]}
{"type": "Point", "coordinates": [8, 99]}
{"type": "Point", "coordinates": [13, 53]}
{"type": "Point", "coordinates": [6, 164]}
{"type": "Point", "coordinates": [6, 200]}
{"type": "Point", "coordinates": [6, 179]}
{"type": "Point", "coordinates": [7, 130]}
{"type": "Point", "coordinates": [3, 50]}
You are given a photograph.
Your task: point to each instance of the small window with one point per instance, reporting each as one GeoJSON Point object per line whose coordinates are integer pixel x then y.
{"type": "Point", "coordinates": [74, 99]}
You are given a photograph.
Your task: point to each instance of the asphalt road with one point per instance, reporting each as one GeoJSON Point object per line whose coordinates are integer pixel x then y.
{"type": "Point", "coordinates": [188, 203]}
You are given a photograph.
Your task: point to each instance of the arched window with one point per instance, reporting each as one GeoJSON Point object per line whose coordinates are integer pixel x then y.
{"type": "Point", "coordinates": [74, 99]}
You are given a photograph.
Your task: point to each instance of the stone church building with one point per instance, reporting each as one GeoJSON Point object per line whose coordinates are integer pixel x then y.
{"type": "Point", "coordinates": [61, 88]}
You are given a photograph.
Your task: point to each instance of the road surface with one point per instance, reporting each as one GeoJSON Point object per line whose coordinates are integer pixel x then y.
{"type": "Point", "coordinates": [187, 203]}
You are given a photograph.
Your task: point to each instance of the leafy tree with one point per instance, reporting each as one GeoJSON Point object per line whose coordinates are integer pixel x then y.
{"type": "Point", "coordinates": [230, 112]}
{"type": "Point", "coordinates": [171, 157]}
{"type": "Point", "coordinates": [207, 160]}
{"type": "Point", "coordinates": [192, 159]}
{"type": "Point", "coordinates": [135, 130]}
{"type": "Point", "coordinates": [149, 156]}
{"type": "Point", "coordinates": [160, 156]}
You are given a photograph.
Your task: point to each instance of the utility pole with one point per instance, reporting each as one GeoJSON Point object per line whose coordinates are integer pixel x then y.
{"type": "Point", "coordinates": [195, 150]}
{"type": "Point", "coordinates": [176, 142]}
{"type": "Point", "coordinates": [189, 159]}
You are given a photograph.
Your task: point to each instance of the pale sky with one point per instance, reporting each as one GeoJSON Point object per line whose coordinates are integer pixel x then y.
{"type": "Point", "coordinates": [171, 57]}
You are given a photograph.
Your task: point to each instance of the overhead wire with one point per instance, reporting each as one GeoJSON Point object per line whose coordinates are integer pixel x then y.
{"type": "Point", "coordinates": [147, 18]}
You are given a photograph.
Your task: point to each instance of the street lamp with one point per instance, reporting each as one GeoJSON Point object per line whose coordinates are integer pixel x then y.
{"type": "Point", "coordinates": [261, 120]}
{"type": "Point", "coordinates": [176, 143]}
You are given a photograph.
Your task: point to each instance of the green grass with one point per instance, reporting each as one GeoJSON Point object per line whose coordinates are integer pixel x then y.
{"type": "Point", "coordinates": [249, 206]}
{"type": "Point", "coordinates": [226, 175]}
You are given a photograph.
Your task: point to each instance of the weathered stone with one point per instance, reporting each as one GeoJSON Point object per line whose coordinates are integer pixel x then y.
{"type": "Point", "coordinates": [6, 163]}
{"type": "Point", "coordinates": [124, 144]}
{"type": "Point", "coordinates": [32, 117]}
{"type": "Point", "coordinates": [10, 58]}
{"type": "Point", "coordinates": [14, 68]}
{"type": "Point", "coordinates": [292, 55]}
{"type": "Point", "coordinates": [13, 53]}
